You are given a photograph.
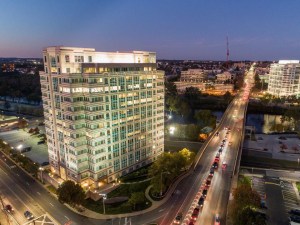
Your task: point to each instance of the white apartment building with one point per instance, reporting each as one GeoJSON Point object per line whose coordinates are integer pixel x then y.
{"type": "Point", "coordinates": [104, 112]}
{"type": "Point", "coordinates": [284, 78]}
{"type": "Point", "coordinates": [224, 76]}
{"type": "Point", "coordinates": [194, 75]}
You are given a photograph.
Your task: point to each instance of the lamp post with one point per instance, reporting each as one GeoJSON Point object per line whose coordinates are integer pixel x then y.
{"type": "Point", "coordinates": [103, 199]}
{"type": "Point", "coordinates": [161, 181]}
{"type": "Point", "coordinates": [41, 169]}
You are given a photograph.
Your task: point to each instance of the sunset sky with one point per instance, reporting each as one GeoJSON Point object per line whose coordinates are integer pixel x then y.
{"type": "Point", "coordinates": [186, 29]}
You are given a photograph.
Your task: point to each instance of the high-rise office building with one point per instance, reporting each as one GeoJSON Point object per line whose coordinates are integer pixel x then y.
{"type": "Point", "coordinates": [284, 78]}
{"type": "Point", "coordinates": [104, 112]}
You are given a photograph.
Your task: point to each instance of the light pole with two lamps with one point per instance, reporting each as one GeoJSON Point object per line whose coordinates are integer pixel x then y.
{"type": "Point", "coordinates": [104, 196]}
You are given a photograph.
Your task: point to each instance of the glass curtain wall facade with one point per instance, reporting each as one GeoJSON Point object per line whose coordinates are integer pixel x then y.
{"type": "Point", "coordinates": [284, 79]}
{"type": "Point", "coordinates": [104, 112]}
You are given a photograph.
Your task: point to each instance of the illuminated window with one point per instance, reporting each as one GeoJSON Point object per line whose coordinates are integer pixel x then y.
{"type": "Point", "coordinates": [67, 58]}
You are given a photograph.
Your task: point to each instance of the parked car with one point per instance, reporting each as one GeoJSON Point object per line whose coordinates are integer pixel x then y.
{"type": "Point", "coordinates": [9, 208]}
{"type": "Point", "coordinates": [41, 142]}
{"type": "Point", "coordinates": [295, 212]}
{"type": "Point", "coordinates": [28, 215]}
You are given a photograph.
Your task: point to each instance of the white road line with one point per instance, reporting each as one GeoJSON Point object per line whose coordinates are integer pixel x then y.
{"type": "Point", "coordinates": [27, 183]}
{"type": "Point", "coordinates": [18, 175]}
{"type": "Point", "coordinates": [38, 193]}
{"type": "Point", "coordinates": [161, 210]}
{"type": "Point", "coordinates": [51, 204]}
{"type": "Point", "coordinates": [67, 217]}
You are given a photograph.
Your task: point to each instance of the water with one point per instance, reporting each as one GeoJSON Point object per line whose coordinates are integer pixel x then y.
{"type": "Point", "coordinates": [263, 123]}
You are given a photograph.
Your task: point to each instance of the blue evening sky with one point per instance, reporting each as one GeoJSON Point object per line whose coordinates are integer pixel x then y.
{"type": "Point", "coordinates": [186, 29]}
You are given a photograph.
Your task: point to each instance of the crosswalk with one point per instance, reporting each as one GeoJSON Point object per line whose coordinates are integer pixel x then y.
{"type": "Point", "coordinates": [258, 184]}
{"type": "Point", "coordinates": [289, 196]}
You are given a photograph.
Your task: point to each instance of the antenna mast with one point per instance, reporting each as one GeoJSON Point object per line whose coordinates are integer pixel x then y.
{"type": "Point", "coordinates": [227, 53]}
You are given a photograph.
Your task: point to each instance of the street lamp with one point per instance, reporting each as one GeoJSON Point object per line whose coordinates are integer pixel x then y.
{"type": "Point", "coordinates": [104, 196]}
{"type": "Point", "coordinates": [41, 169]}
{"type": "Point", "coordinates": [161, 181]}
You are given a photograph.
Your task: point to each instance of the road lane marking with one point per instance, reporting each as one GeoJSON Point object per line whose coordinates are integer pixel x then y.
{"type": "Point", "coordinates": [18, 175]}
{"type": "Point", "coordinates": [67, 217]}
{"type": "Point", "coordinates": [161, 210]}
{"type": "Point", "coordinates": [51, 204]}
{"type": "Point", "coordinates": [38, 193]}
{"type": "Point", "coordinates": [27, 183]}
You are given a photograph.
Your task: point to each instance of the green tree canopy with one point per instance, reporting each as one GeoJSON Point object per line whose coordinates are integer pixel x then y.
{"type": "Point", "coordinates": [70, 193]}
{"type": "Point", "coordinates": [205, 118]}
{"type": "Point", "coordinates": [167, 167]}
{"type": "Point", "coordinates": [136, 199]}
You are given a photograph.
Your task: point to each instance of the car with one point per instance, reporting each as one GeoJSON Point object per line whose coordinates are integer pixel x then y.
{"type": "Point", "coordinates": [217, 134]}
{"type": "Point", "coordinates": [211, 171]}
{"type": "Point", "coordinates": [9, 208]}
{"type": "Point", "coordinates": [191, 222]}
{"type": "Point", "coordinates": [204, 192]}
{"type": "Point", "coordinates": [45, 164]}
{"type": "Point", "coordinates": [220, 150]}
{"type": "Point", "coordinates": [295, 218]}
{"type": "Point", "coordinates": [178, 218]}
{"type": "Point", "coordinates": [230, 143]}
{"type": "Point", "coordinates": [208, 182]}
{"type": "Point", "coordinates": [217, 159]}
{"type": "Point", "coordinates": [195, 214]}
{"type": "Point", "coordinates": [224, 165]}
{"type": "Point", "coordinates": [41, 142]}
{"type": "Point", "coordinates": [295, 212]}
{"type": "Point", "coordinates": [201, 201]}
{"type": "Point", "coordinates": [215, 165]}
{"type": "Point", "coordinates": [229, 129]}
{"type": "Point", "coordinates": [28, 215]}
{"type": "Point", "coordinates": [217, 220]}
{"type": "Point", "coordinates": [224, 140]}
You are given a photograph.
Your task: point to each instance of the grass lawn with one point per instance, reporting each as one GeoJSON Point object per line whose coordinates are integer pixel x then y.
{"type": "Point", "coordinates": [177, 146]}
{"type": "Point", "coordinates": [124, 190]}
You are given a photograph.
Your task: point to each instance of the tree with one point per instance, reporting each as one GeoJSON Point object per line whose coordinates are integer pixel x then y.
{"type": "Point", "coordinates": [70, 193]}
{"type": "Point", "coordinates": [184, 109]}
{"type": "Point", "coordinates": [192, 93]}
{"type": "Point", "coordinates": [172, 103]}
{"type": "Point", "coordinates": [136, 199]}
{"type": "Point", "coordinates": [245, 196]}
{"type": "Point", "coordinates": [248, 216]}
{"type": "Point", "coordinates": [171, 90]}
{"type": "Point", "coordinates": [205, 118]}
{"type": "Point", "coordinates": [165, 169]}
{"type": "Point", "coordinates": [187, 155]}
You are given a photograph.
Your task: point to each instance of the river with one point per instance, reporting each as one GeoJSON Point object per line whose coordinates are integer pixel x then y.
{"type": "Point", "coordinates": [263, 123]}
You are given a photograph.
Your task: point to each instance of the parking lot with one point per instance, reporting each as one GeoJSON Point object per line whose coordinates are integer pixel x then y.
{"type": "Point", "coordinates": [289, 196]}
{"type": "Point", "coordinates": [38, 153]}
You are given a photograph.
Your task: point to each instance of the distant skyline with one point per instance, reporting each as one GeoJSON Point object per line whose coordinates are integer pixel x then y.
{"type": "Point", "coordinates": [190, 29]}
